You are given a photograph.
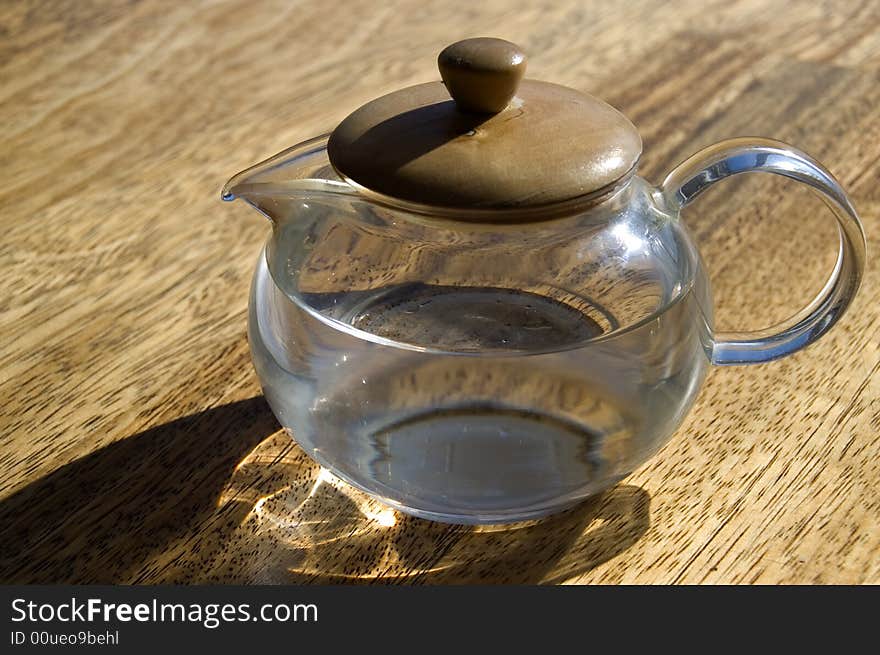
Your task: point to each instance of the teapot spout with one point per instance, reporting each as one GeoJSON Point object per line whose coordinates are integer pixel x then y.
{"type": "Point", "coordinates": [273, 186]}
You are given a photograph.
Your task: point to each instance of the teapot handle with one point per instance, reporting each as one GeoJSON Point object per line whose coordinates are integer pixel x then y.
{"type": "Point", "coordinates": [745, 155]}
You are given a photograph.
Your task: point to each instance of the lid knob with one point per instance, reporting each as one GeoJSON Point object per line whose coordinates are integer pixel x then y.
{"type": "Point", "coordinates": [482, 74]}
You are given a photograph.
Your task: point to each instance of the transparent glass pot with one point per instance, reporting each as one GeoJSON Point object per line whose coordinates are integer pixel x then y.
{"type": "Point", "coordinates": [468, 370]}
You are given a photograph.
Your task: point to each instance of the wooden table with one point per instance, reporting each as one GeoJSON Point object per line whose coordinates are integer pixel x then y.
{"type": "Point", "coordinates": [136, 446]}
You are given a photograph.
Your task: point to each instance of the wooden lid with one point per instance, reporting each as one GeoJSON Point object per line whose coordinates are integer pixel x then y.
{"type": "Point", "coordinates": [499, 142]}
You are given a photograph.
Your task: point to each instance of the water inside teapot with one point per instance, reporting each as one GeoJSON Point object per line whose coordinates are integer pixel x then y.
{"type": "Point", "coordinates": [399, 389]}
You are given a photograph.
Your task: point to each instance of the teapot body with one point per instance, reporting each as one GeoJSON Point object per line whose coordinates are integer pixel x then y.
{"type": "Point", "coordinates": [470, 372]}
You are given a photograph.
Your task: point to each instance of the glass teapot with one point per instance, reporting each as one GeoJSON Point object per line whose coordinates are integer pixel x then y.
{"type": "Point", "coordinates": [473, 309]}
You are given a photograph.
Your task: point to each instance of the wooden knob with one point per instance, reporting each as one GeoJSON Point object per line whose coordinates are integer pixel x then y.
{"type": "Point", "coordinates": [482, 74]}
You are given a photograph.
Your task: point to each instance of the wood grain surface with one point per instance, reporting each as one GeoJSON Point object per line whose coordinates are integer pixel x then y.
{"type": "Point", "coordinates": [136, 446]}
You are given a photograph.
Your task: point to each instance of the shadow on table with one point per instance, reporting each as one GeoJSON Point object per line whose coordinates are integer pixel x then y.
{"type": "Point", "coordinates": [303, 525]}
{"type": "Point", "coordinates": [223, 496]}
{"type": "Point", "coordinates": [368, 549]}
{"type": "Point", "coordinates": [100, 517]}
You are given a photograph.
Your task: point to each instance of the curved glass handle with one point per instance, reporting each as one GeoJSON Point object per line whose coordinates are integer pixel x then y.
{"type": "Point", "coordinates": [746, 155]}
